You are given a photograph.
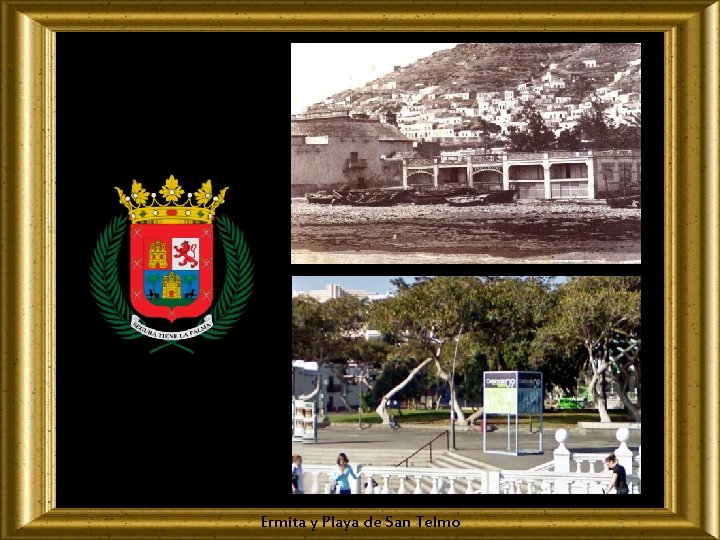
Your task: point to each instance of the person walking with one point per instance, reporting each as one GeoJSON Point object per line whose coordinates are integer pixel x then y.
{"type": "Point", "coordinates": [341, 473]}
{"type": "Point", "coordinates": [297, 475]}
{"type": "Point", "coordinates": [618, 480]}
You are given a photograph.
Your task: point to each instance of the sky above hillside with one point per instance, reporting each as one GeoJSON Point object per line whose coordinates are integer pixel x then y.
{"type": "Point", "coordinates": [319, 70]}
{"type": "Point", "coordinates": [376, 284]}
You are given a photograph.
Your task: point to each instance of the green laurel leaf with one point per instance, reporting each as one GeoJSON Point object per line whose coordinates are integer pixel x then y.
{"type": "Point", "coordinates": [238, 279]}
{"type": "Point", "coordinates": [104, 282]}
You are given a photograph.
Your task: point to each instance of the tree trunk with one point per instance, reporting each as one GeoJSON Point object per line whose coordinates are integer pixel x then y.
{"type": "Point", "coordinates": [629, 405]}
{"type": "Point", "coordinates": [599, 403]}
{"type": "Point", "coordinates": [474, 416]}
{"type": "Point", "coordinates": [623, 379]}
{"type": "Point", "coordinates": [381, 409]}
{"type": "Point", "coordinates": [454, 405]}
{"type": "Point", "coordinates": [597, 400]}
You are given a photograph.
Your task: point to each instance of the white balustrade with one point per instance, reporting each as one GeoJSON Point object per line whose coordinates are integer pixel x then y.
{"type": "Point", "coordinates": [588, 477]}
{"type": "Point", "coordinates": [595, 462]}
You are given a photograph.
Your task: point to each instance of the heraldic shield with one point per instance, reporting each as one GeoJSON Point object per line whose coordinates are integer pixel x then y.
{"type": "Point", "coordinates": [171, 271]}
{"type": "Point", "coordinates": [171, 249]}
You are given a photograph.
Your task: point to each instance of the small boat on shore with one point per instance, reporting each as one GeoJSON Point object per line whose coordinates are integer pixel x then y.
{"type": "Point", "coordinates": [468, 200]}
{"type": "Point", "coordinates": [438, 196]}
{"type": "Point", "coordinates": [373, 199]}
{"type": "Point", "coordinates": [319, 198]}
{"type": "Point", "coordinates": [629, 201]}
{"type": "Point", "coordinates": [499, 196]}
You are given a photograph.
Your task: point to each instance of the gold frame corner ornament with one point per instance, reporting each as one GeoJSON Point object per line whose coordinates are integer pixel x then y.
{"type": "Point", "coordinates": [691, 288]}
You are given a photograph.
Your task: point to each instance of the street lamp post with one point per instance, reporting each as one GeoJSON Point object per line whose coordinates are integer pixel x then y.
{"type": "Point", "coordinates": [360, 401]}
{"type": "Point", "coordinates": [452, 392]}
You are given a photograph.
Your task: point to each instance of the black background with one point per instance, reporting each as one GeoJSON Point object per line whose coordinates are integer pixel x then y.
{"type": "Point", "coordinates": [171, 429]}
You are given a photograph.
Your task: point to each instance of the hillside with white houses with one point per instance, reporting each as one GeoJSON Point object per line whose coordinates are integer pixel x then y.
{"type": "Point", "coordinates": [474, 90]}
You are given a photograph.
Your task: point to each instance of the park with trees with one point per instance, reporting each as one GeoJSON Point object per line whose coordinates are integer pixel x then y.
{"type": "Point", "coordinates": [446, 331]}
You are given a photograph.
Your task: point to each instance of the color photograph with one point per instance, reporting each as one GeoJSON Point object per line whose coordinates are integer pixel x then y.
{"type": "Point", "coordinates": [477, 385]}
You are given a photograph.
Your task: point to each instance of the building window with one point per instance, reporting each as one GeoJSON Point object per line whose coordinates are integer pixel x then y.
{"type": "Point", "coordinates": [626, 173]}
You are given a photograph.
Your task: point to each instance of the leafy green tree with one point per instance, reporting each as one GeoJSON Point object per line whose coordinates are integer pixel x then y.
{"type": "Point", "coordinates": [468, 382]}
{"type": "Point", "coordinates": [394, 371]}
{"type": "Point", "coordinates": [430, 313]}
{"type": "Point", "coordinates": [598, 317]}
{"type": "Point", "coordinates": [332, 333]}
{"type": "Point", "coordinates": [536, 137]}
{"type": "Point", "coordinates": [516, 309]}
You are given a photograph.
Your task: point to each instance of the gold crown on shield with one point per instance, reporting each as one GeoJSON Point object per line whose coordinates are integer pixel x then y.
{"type": "Point", "coordinates": [171, 210]}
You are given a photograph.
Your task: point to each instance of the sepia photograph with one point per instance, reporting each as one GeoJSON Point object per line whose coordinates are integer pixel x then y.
{"type": "Point", "coordinates": [485, 385]}
{"type": "Point", "coordinates": [466, 153]}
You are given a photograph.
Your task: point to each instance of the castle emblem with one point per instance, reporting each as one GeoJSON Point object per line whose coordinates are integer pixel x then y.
{"type": "Point", "coordinates": [171, 263]}
{"type": "Point", "coordinates": [171, 249]}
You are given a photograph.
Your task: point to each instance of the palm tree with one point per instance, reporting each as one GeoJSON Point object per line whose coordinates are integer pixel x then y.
{"type": "Point", "coordinates": [152, 279]}
{"type": "Point", "coordinates": [189, 279]}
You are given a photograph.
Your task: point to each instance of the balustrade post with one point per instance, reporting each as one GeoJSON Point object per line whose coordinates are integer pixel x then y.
{"type": "Point", "coordinates": [561, 486]}
{"type": "Point", "coordinates": [493, 482]}
{"type": "Point", "coordinates": [315, 488]}
{"type": "Point", "coordinates": [356, 485]}
{"type": "Point", "coordinates": [418, 487]}
{"type": "Point", "coordinates": [561, 453]}
{"type": "Point", "coordinates": [623, 453]}
{"type": "Point", "coordinates": [401, 489]}
{"type": "Point", "coordinates": [469, 485]}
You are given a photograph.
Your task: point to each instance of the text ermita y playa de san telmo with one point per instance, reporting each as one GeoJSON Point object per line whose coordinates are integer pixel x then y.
{"type": "Point", "coordinates": [369, 523]}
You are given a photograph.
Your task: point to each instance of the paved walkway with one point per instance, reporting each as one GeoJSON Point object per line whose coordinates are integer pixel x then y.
{"type": "Point", "coordinates": [410, 437]}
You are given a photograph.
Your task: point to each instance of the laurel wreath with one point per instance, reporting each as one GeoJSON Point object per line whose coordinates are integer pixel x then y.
{"type": "Point", "coordinates": [238, 279]}
{"type": "Point", "coordinates": [105, 284]}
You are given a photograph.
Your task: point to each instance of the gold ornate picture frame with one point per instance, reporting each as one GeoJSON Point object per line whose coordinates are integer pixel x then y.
{"type": "Point", "coordinates": [691, 289]}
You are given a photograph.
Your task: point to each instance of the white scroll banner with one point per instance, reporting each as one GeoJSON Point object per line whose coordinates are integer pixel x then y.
{"type": "Point", "coordinates": [206, 325]}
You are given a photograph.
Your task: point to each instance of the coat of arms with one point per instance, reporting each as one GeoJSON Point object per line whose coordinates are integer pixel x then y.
{"type": "Point", "coordinates": [171, 265]}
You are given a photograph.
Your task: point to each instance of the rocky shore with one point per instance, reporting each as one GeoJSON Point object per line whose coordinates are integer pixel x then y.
{"type": "Point", "coordinates": [521, 232]}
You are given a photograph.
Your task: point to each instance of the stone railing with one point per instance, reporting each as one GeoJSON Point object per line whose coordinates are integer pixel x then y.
{"type": "Point", "coordinates": [512, 156]}
{"type": "Point", "coordinates": [399, 480]}
{"type": "Point", "coordinates": [551, 482]}
{"type": "Point", "coordinates": [568, 153]}
{"type": "Point", "coordinates": [567, 473]}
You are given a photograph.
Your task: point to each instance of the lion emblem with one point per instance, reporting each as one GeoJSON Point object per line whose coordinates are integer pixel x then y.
{"type": "Point", "coordinates": [187, 253]}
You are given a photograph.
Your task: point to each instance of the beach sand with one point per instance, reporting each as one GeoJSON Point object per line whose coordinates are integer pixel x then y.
{"type": "Point", "coordinates": [518, 233]}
